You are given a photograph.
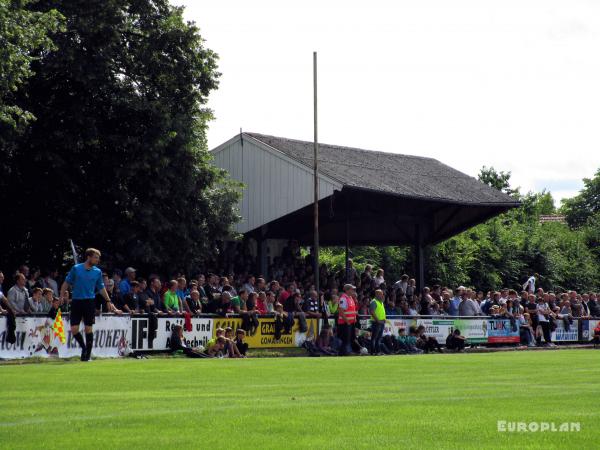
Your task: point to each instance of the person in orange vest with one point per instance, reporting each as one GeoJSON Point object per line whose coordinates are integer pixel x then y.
{"type": "Point", "coordinates": [347, 313]}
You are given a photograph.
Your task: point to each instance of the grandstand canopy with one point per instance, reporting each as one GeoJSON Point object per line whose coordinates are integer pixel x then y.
{"type": "Point", "coordinates": [382, 198]}
{"type": "Point", "coordinates": [365, 197]}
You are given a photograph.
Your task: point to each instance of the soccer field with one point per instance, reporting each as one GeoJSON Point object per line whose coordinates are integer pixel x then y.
{"type": "Point", "coordinates": [428, 401]}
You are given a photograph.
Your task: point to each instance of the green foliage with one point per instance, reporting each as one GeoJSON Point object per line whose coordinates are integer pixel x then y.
{"type": "Point", "coordinates": [24, 36]}
{"type": "Point", "coordinates": [584, 205]}
{"type": "Point", "coordinates": [117, 157]}
{"type": "Point", "coordinates": [498, 180]}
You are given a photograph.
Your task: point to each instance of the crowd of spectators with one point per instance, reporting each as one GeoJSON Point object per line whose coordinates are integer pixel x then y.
{"type": "Point", "coordinates": [289, 294]}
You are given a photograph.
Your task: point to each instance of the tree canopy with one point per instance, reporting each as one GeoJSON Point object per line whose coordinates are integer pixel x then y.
{"type": "Point", "coordinates": [117, 157]}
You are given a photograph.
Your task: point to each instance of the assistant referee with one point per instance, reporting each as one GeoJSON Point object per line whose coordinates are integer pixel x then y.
{"type": "Point", "coordinates": [85, 279]}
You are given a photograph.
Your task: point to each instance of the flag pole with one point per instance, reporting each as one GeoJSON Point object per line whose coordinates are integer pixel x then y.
{"type": "Point", "coordinates": [316, 181]}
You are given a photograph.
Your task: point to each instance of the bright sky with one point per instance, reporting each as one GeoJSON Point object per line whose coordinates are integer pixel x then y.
{"type": "Point", "coordinates": [514, 84]}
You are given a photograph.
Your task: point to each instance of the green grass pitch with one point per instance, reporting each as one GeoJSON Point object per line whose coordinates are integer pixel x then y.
{"type": "Point", "coordinates": [428, 401]}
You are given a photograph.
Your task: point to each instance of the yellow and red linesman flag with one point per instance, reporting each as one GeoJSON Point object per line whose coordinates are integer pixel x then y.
{"type": "Point", "coordinates": [58, 328]}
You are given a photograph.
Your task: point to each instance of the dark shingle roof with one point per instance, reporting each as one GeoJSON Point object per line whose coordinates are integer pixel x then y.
{"type": "Point", "coordinates": [405, 175]}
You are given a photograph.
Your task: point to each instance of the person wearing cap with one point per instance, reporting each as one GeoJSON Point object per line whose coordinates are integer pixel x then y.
{"type": "Point", "coordinates": [125, 284]}
{"type": "Point", "coordinates": [377, 311]}
{"type": "Point", "coordinates": [347, 311]}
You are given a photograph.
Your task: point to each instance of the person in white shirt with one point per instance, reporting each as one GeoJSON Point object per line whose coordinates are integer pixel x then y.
{"type": "Point", "coordinates": [529, 285]}
{"type": "Point", "coordinates": [378, 280]}
{"type": "Point", "coordinates": [543, 315]}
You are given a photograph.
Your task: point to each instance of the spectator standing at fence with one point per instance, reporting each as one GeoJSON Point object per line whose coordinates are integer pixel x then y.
{"type": "Point", "coordinates": [171, 300]}
{"type": "Point", "coordinates": [85, 279]}
{"type": "Point", "coordinates": [543, 316]}
{"type": "Point", "coordinates": [378, 317]}
{"type": "Point", "coordinates": [18, 295]}
{"type": "Point", "coordinates": [35, 301]}
{"type": "Point", "coordinates": [125, 284]}
{"type": "Point", "coordinates": [47, 299]}
{"type": "Point", "coordinates": [455, 301]}
{"type": "Point", "coordinates": [467, 306]}
{"type": "Point", "coordinates": [347, 310]}
{"type": "Point", "coordinates": [223, 305]}
{"type": "Point", "coordinates": [153, 293]}
{"type": "Point", "coordinates": [193, 302]}
{"type": "Point", "coordinates": [252, 312]}
{"type": "Point", "coordinates": [130, 301]}
{"type": "Point", "coordinates": [593, 306]}
{"type": "Point", "coordinates": [261, 303]}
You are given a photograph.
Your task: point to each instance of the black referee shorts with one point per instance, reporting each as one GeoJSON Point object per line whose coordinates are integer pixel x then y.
{"type": "Point", "coordinates": [83, 308]}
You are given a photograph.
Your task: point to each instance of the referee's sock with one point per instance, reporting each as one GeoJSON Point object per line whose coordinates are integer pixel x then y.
{"type": "Point", "coordinates": [89, 341]}
{"type": "Point", "coordinates": [79, 338]}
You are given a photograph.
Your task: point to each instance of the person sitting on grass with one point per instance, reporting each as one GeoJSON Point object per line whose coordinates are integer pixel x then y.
{"type": "Point", "coordinates": [231, 349]}
{"type": "Point", "coordinates": [242, 346]}
{"type": "Point", "coordinates": [218, 333]}
{"type": "Point", "coordinates": [401, 342]}
{"type": "Point", "coordinates": [411, 341]}
{"type": "Point", "coordinates": [324, 342]}
{"type": "Point", "coordinates": [427, 343]}
{"type": "Point", "coordinates": [178, 344]}
{"type": "Point", "coordinates": [215, 347]}
{"type": "Point", "coordinates": [455, 341]}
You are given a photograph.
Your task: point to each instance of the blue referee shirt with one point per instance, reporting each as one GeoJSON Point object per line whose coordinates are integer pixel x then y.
{"type": "Point", "coordinates": [85, 282]}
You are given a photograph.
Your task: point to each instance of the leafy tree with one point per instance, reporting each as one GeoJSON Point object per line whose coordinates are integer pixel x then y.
{"type": "Point", "coordinates": [498, 180]}
{"type": "Point", "coordinates": [584, 205]}
{"type": "Point", "coordinates": [23, 35]}
{"type": "Point", "coordinates": [117, 157]}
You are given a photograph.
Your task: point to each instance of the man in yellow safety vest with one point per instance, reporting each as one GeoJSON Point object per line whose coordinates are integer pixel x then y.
{"type": "Point", "coordinates": [377, 311]}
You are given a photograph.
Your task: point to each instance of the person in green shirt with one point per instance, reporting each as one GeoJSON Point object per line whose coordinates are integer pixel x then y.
{"type": "Point", "coordinates": [238, 303]}
{"type": "Point", "coordinates": [171, 299]}
{"type": "Point", "coordinates": [377, 311]}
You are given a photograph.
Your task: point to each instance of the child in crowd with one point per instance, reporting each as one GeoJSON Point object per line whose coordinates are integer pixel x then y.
{"type": "Point", "coordinates": [240, 335]}
{"type": "Point", "coordinates": [230, 350]}
{"type": "Point", "coordinates": [215, 347]}
{"type": "Point", "coordinates": [411, 341]}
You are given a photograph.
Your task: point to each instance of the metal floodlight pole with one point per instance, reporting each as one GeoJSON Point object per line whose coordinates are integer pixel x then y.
{"type": "Point", "coordinates": [316, 180]}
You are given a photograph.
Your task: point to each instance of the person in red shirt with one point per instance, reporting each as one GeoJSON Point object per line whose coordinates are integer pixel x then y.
{"type": "Point", "coordinates": [347, 314]}
{"type": "Point", "coordinates": [261, 303]}
{"type": "Point", "coordinates": [283, 296]}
